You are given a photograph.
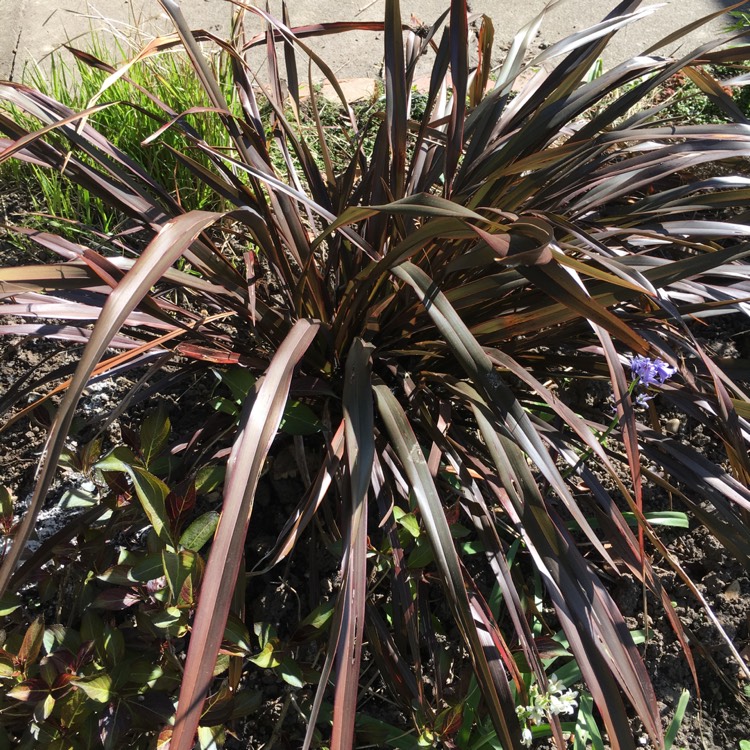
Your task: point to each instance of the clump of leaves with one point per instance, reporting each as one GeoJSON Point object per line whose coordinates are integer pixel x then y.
{"type": "Point", "coordinates": [428, 302]}
{"type": "Point", "coordinates": [99, 679]}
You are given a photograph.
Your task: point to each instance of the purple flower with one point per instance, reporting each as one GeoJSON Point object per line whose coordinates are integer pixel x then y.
{"type": "Point", "coordinates": [642, 399]}
{"type": "Point", "coordinates": [663, 370]}
{"type": "Point", "coordinates": [650, 371]}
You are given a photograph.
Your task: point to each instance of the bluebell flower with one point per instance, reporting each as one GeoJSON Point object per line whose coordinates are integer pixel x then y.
{"type": "Point", "coordinates": [642, 399]}
{"type": "Point", "coordinates": [663, 370]}
{"type": "Point", "coordinates": [649, 371]}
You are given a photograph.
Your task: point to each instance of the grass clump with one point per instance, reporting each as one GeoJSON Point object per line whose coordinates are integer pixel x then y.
{"type": "Point", "coordinates": [132, 118]}
{"type": "Point", "coordinates": [407, 318]}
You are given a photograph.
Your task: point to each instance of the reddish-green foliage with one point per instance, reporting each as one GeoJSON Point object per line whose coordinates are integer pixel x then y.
{"type": "Point", "coordinates": [431, 297]}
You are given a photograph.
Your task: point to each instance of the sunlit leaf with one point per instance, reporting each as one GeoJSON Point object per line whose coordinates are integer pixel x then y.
{"type": "Point", "coordinates": [200, 531]}
{"type": "Point", "coordinates": [9, 603]}
{"type": "Point", "coordinates": [98, 687]}
{"type": "Point", "coordinates": [299, 419]}
{"type": "Point", "coordinates": [32, 641]}
{"type": "Point", "coordinates": [268, 657]}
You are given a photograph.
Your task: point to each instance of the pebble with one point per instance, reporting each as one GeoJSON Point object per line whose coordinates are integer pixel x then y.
{"type": "Point", "coordinates": [672, 426]}
{"type": "Point", "coordinates": [733, 591]}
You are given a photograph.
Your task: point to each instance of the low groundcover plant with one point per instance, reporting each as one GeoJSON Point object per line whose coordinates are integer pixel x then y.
{"type": "Point", "coordinates": [427, 300]}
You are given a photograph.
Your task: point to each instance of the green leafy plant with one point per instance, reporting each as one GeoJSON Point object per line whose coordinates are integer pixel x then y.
{"type": "Point", "coordinates": [114, 677]}
{"type": "Point", "coordinates": [424, 304]}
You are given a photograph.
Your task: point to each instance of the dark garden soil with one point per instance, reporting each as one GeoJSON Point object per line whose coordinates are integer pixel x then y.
{"type": "Point", "coordinates": [718, 721]}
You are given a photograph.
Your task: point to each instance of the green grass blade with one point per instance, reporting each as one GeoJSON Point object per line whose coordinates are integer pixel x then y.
{"type": "Point", "coordinates": [676, 723]}
{"type": "Point", "coordinates": [586, 734]}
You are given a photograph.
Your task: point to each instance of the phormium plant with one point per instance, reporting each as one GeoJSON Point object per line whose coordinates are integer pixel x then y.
{"type": "Point", "coordinates": [427, 300]}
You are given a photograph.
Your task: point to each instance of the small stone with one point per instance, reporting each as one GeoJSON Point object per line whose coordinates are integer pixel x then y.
{"type": "Point", "coordinates": [672, 426]}
{"type": "Point", "coordinates": [733, 591]}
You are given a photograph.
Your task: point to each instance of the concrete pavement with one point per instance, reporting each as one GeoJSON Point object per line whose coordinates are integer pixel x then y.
{"type": "Point", "coordinates": [32, 29]}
